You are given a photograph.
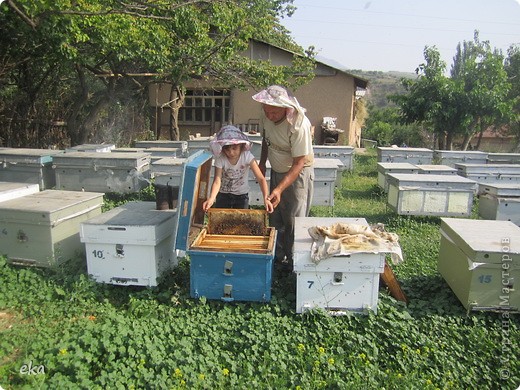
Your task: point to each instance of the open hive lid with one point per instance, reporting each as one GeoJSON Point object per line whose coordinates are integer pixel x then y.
{"type": "Point", "coordinates": [194, 191]}
{"type": "Point", "coordinates": [484, 241]}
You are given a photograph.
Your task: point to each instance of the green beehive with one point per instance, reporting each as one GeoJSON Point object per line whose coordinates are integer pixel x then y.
{"type": "Point", "coordinates": [42, 229]}
{"type": "Point", "coordinates": [480, 261]}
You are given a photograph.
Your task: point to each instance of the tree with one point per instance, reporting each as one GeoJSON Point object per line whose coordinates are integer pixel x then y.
{"type": "Point", "coordinates": [480, 72]}
{"type": "Point", "coordinates": [512, 67]}
{"type": "Point", "coordinates": [94, 54]}
{"type": "Point", "coordinates": [473, 98]}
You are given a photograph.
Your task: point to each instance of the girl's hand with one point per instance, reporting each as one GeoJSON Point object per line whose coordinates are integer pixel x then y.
{"type": "Point", "coordinates": [207, 204]}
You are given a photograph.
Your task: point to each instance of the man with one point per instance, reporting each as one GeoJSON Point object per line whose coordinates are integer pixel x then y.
{"type": "Point", "coordinates": [287, 143]}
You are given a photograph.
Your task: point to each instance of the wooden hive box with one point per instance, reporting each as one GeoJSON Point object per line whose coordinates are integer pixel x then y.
{"type": "Point", "coordinates": [383, 169]}
{"type": "Point", "coordinates": [452, 157]}
{"type": "Point", "coordinates": [91, 148]}
{"type": "Point", "coordinates": [12, 190]}
{"type": "Point", "coordinates": [42, 229]}
{"type": "Point", "coordinates": [231, 257]}
{"type": "Point", "coordinates": [28, 166]}
{"type": "Point", "coordinates": [337, 284]}
{"type": "Point", "coordinates": [440, 195]}
{"type": "Point", "coordinates": [409, 155]}
{"type": "Point", "coordinates": [102, 172]}
{"type": "Point", "coordinates": [480, 261]}
{"type": "Point", "coordinates": [132, 244]}
{"type": "Point", "coordinates": [500, 201]}
{"type": "Point", "coordinates": [343, 152]}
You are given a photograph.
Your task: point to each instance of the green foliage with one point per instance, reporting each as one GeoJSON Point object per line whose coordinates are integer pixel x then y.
{"type": "Point", "coordinates": [71, 62]}
{"type": "Point", "coordinates": [473, 98]}
{"type": "Point", "coordinates": [90, 335]}
{"type": "Point", "coordinates": [385, 127]}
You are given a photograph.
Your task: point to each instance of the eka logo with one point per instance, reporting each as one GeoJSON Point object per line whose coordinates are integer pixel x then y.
{"type": "Point", "coordinates": [29, 369]}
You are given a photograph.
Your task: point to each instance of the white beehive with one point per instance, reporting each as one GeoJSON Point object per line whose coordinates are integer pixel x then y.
{"type": "Point", "coordinates": [490, 173]}
{"type": "Point", "coordinates": [342, 152]}
{"type": "Point", "coordinates": [452, 157]}
{"type": "Point", "coordinates": [503, 158]}
{"type": "Point", "coordinates": [440, 195]}
{"type": "Point", "coordinates": [11, 190]}
{"type": "Point", "coordinates": [436, 170]}
{"type": "Point", "coordinates": [325, 176]}
{"type": "Point", "coordinates": [132, 244]}
{"type": "Point", "coordinates": [92, 148]}
{"type": "Point", "coordinates": [102, 172]}
{"type": "Point", "coordinates": [336, 284]}
{"type": "Point", "coordinates": [42, 229]}
{"type": "Point", "coordinates": [182, 145]}
{"type": "Point", "coordinates": [500, 201]}
{"type": "Point", "coordinates": [32, 166]}
{"type": "Point", "coordinates": [409, 155]}
{"type": "Point", "coordinates": [384, 169]}
{"type": "Point", "coordinates": [256, 198]}
{"type": "Point", "coordinates": [198, 144]}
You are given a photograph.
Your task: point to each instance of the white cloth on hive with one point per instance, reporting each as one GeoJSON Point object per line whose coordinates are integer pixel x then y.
{"type": "Point", "coordinates": [342, 239]}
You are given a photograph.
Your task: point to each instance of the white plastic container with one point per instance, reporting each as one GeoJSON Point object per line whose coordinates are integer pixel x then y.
{"type": "Point", "coordinates": [132, 244]}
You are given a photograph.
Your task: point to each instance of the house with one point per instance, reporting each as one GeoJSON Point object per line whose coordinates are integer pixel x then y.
{"type": "Point", "coordinates": [332, 93]}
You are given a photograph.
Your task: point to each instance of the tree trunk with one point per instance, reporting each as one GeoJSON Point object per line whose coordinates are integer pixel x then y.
{"type": "Point", "coordinates": [442, 140]}
{"type": "Point", "coordinates": [176, 102]}
{"type": "Point", "coordinates": [466, 141]}
{"type": "Point", "coordinates": [73, 119]}
{"type": "Point", "coordinates": [449, 141]}
{"type": "Point", "coordinates": [479, 139]}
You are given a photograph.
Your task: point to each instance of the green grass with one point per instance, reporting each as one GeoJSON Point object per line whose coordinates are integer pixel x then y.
{"type": "Point", "coordinates": [87, 335]}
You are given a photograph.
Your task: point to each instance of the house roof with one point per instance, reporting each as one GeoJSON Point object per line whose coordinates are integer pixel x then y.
{"type": "Point", "coordinates": [359, 82]}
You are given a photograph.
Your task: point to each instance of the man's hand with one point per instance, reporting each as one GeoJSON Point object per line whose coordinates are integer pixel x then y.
{"type": "Point", "coordinates": [275, 197]}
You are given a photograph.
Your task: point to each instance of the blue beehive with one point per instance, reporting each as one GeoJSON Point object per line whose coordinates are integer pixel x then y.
{"type": "Point", "coordinates": [231, 257]}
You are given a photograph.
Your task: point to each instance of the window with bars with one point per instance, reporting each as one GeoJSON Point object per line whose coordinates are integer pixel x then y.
{"type": "Point", "coordinates": [205, 106]}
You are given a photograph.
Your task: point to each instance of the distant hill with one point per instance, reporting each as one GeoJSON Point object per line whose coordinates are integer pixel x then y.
{"type": "Point", "coordinates": [382, 84]}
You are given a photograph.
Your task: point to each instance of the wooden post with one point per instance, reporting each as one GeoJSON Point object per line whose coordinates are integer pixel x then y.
{"type": "Point", "coordinates": [391, 282]}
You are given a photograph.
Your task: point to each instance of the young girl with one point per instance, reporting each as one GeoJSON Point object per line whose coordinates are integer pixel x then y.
{"type": "Point", "coordinates": [233, 160]}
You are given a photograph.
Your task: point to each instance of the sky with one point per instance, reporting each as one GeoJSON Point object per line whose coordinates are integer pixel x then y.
{"type": "Point", "coordinates": [390, 35]}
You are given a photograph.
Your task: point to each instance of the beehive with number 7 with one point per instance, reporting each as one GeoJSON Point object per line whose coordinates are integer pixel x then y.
{"type": "Point", "coordinates": [480, 261]}
{"type": "Point", "coordinates": [231, 253]}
